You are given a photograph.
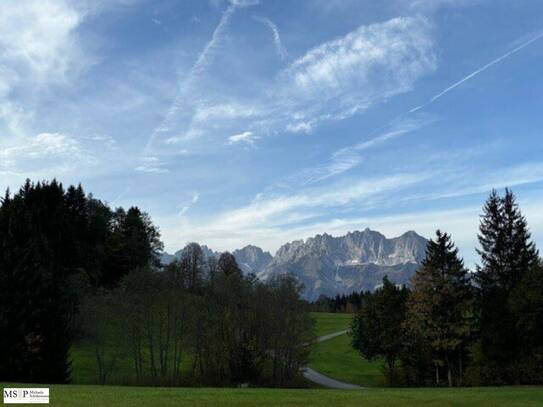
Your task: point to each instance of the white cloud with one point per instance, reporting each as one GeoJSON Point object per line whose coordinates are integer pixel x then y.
{"type": "Point", "coordinates": [189, 135]}
{"type": "Point", "coordinates": [51, 145]}
{"type": "Point", "coordinates": [370, 62]}
{"type": "Point", "coordinates": [279, 214]}
{"type": "Point", "coordinates": [271, 221]}
{"type": "Point", "coordinates": [185, 85]}
{"type": "Point", "coordinates": [40, 47]}
{"type": "Point", "coordinates": [246, 137]}
{"type": "Point", "coordinates": [151, 169]}
{"type": "Point", "coordinates": [299, 127]}
{"type": "Point", "coordinates": [347, 158]}
{"type": "Point", "coordinates": [332, 81]}
{"type": "Point", "coordinates": [185, 208]}
{"type": "Point", "coordinates": [343, 77]}
{"type": "Point", "coordinates": [151, 165]}
{"type": "Point", "coordinates": [224, 111]}
{"type": "Point", "coordinates": [39, 37]}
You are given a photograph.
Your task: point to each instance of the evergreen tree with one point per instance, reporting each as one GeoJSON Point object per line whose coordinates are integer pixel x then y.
{"type": "Point", "coordinates": [526, 303]}
{"type": "Point", "coordinates": [134, 243]}
{"type": "Point", "coordinates": [52, 243]}
{"type": "Point", "coordinates": [507, 254]}
{"type": "Point", "coordinates": [439, 306]}
{"type": "Point", "coordinates": [377, 329]}
{"type": "Point", "coordinates": [36, 307]}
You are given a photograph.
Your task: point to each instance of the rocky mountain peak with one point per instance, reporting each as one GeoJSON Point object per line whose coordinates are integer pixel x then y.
{"type": "Point", "coordinates": [332, 265]}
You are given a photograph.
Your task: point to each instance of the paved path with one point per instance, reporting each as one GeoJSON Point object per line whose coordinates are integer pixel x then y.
{"type": "Point", "coordinates": [326, 381]}
{"type": "Point", "coordinates": [323, 380]}
{"type": "Point", "coordinates": [331, 336]}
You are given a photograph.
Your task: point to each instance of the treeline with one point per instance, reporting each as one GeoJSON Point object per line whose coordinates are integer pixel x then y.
{"type": "Point", "coordinates": [453, 327]}
{"type": "Point", "coordinates": [72, 268]}
{"type": "Point", "coordinates": [344, 303]}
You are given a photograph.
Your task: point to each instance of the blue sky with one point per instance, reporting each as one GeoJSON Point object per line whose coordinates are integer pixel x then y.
{"type": "Point", "coordinates": [245, 121]}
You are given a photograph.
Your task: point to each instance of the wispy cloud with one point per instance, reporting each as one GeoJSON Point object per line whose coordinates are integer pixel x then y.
{"type": "Point", "coordinates": [246, 137]}
{"type": "Point", "coordinates": [394, 134]}
{"type": "Point", "coordinates": [285, 212]}
{"type": "Point", "coordinates": [330, 82]}
{"type": "Point", "coordinates": [52, 145]}
{"type": "Point", "coordinates": [202, 61]}
{"type": "Point", "coordinates": [270, 221]}
{"type": "Point", "coordinates": [363, 68]}
{"type": "Point", "coordinates": [40, 47]}
{"type": "Point", "coordinates": [223, 111]}
{"type": "Point", "coordinates": [347, 158]}
{"type": "Point", "coordinates": [194, 199]}
{"type": "Point", "coordinates": [279, 48]}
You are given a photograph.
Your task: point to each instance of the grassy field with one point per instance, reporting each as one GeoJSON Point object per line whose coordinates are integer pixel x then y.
{"type": "Point", "coordinates": [328, 323]}
{"type": "Point", "coordinates": [115, 396]}
{"type": "Point", "coordinates": [337, 359]}
{"type": "Point", "coordinates": [85, 369]}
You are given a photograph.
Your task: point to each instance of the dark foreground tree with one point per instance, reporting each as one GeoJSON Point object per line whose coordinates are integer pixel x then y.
{"type": "Point", "coordinates": [439, 308]}
{"type": "Point", "coordinates": [507, 255]}
{"type": "Point", "coordinates": [55, 245]}
{"type": "Point", "coordinates": [377, 329]}
{"type": "Point", "coordinates": [35, 302]}
{"type": "Point", "coordinates": [526, 303]}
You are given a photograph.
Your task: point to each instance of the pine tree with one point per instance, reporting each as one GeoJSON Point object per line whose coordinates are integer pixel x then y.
{"type": "Point", "coordinates": [526, 302]}
{"type": "Point", "coordinates": [507, 254]}
{"type": "Point", "coordinates": [439, 306]}
{"type": "Point", "coordinates": [377, 329]}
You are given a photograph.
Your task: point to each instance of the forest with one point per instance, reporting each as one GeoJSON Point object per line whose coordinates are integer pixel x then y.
{"type": "Point", "coordinates": [73, 269]}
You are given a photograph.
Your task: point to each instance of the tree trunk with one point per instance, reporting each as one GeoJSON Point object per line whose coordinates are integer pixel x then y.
{"type": "Point", "coordinates": [460, 370]}
{"type": "Point", "coordinates": [449, 373]}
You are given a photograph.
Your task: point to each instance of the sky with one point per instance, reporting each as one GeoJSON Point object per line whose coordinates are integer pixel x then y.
{"type": "Point", "coordinates": [235, 122]}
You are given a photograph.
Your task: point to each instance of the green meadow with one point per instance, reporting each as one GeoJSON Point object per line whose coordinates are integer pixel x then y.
{"type": "Point", "coordinates": [125, 396]}
{"type": "Point", "coordinates": [336, 358]}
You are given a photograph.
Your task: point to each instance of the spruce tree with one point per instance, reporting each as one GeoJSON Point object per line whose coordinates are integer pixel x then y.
{"type": "Point", "coordinates": [439, 306]}
{"type": "Point", "coordinates": [507, 255]}
{"type": "Point", "coordinates": [377, 329]}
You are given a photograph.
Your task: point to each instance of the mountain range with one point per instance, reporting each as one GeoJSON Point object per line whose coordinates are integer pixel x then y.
{"type": "Point", "coordinates": [329, 265]}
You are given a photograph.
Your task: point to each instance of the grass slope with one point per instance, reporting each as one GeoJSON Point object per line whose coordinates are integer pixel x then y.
{"type": "Point", "coordinates": [337, 359]}
{"type": "Point", "coordinates": [328, 323]}
{"type": "Point", "coordinates": [85, 368]}
{"type": "Point", "coordinates": [115, 396]}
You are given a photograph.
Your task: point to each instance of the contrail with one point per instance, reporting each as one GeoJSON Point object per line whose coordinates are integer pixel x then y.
{"type": "Point", "coordinates": [198, 67]}
{"type": "Point", "coordinates": [484, 68]}
{"type": "Point", "coordinates": [393, 134]}
{"type": "Point", "coordinates": [465, 79]}
{"type": "Point", "coordinates": [281, 51]}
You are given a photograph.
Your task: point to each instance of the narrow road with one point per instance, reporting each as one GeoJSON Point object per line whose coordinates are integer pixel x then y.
{"type": "Point", "coordinates": [316, 377]}
{"type": "Point", "coordinates": [326, 381]}
{"type": "Point", "coordinates": [331, 336]}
